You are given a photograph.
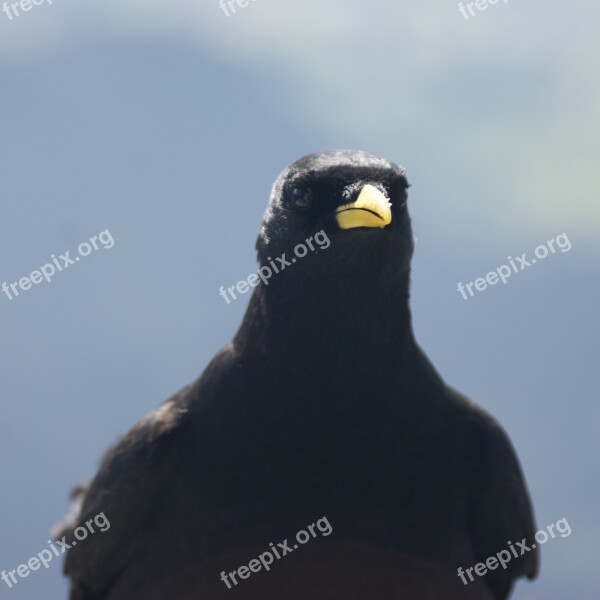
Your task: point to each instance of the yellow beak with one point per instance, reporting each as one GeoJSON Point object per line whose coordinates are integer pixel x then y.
{"type": "Point", "coordinates": [371, 209]}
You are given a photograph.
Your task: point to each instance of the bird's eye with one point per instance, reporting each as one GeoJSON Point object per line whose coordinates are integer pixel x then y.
{"type": "Point", "coordinates": [301, 198]}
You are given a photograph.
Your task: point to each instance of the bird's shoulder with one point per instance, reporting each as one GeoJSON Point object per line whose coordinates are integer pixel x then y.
{"type": "Point", "coordinates": [152, 459]}
{"type": "Point", "coordinates": [480, 426]}
{"type": "Point", "coordinates": [152, 438]}
{"type": "Point", "coordinates": [502, 509]}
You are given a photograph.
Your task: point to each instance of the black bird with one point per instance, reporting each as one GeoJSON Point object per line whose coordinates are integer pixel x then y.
{"type": "Point", "coordinates": [322, 413]}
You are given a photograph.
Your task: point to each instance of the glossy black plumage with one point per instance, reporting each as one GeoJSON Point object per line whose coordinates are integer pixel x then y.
{"type": "Point", "coordinates": [322, 405]}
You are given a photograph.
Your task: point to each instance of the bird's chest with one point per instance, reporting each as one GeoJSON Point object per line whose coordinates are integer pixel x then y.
{"type": "Point", "coordinates": [333, 441]}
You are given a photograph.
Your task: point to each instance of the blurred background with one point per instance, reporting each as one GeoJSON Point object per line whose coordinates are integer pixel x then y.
{"type": "Point", "coordinates": [166, 123]}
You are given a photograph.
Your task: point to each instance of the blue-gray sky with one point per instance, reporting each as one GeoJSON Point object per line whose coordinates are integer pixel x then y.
{"type": "Point", "coordinates": [166, 123]}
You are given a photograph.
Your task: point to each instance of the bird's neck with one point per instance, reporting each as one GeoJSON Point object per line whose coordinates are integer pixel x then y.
{"type": "Point", "coordinates": [332, 322]}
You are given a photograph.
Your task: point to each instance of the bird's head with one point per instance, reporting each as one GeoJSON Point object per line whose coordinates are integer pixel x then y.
{"type": "Point", "coordinates": [355, 200]}
{"type": "Point", "coordinates": [337, 241]}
